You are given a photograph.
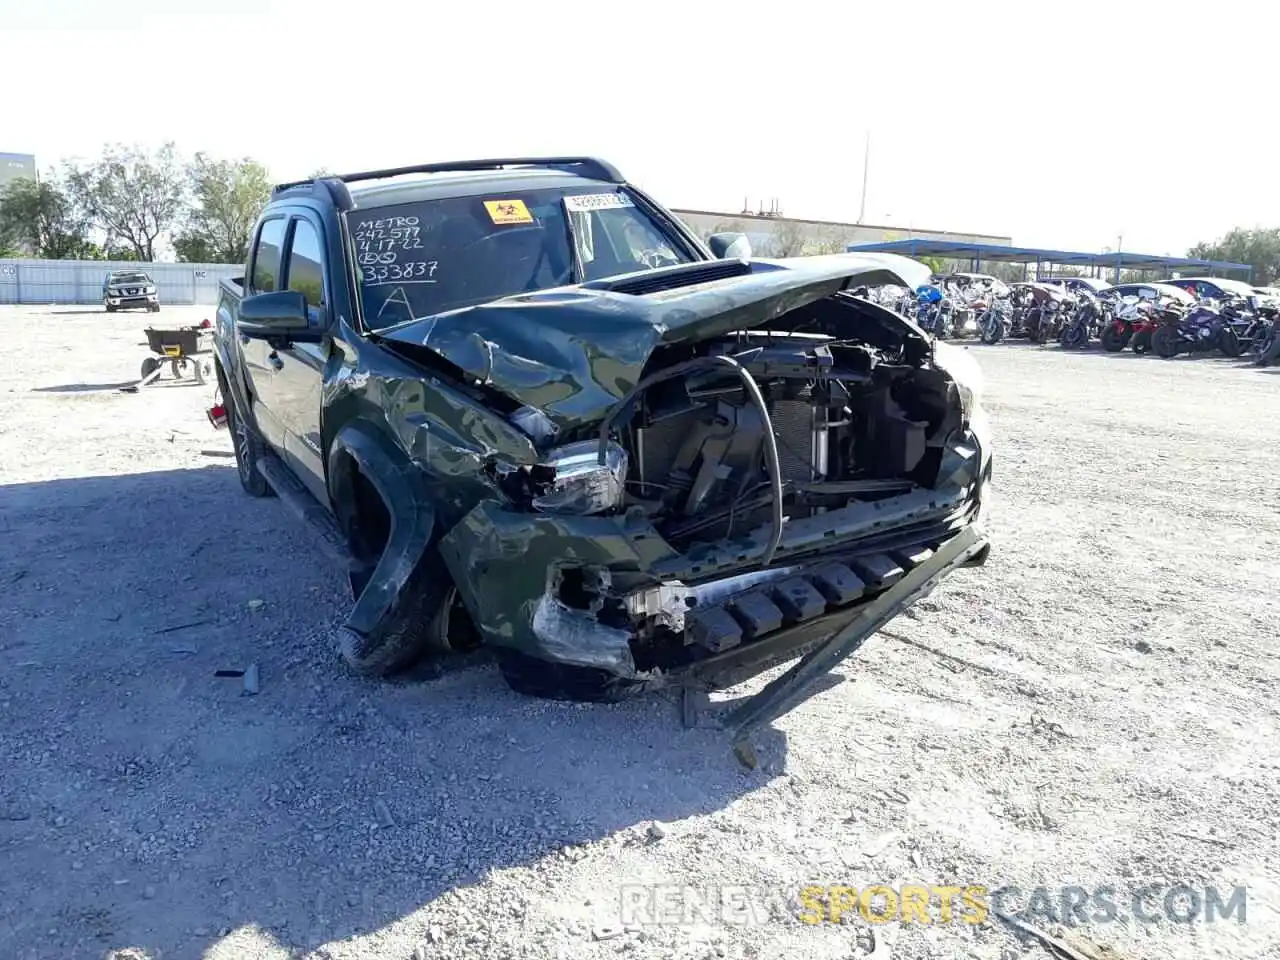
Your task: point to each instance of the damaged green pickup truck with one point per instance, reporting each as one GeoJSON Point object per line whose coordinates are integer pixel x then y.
{"type": "Point", "coordinates": [534, 411]}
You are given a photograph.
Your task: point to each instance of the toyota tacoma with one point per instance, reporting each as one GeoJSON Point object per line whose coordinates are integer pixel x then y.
{"type": "Point", "coordinates": [533, 411]}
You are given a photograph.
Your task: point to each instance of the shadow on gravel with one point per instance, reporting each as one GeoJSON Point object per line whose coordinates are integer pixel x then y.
{"type": "Point", "coordinates": [147, 802]}
{"type": "Point", "coordinates": [77, 313]}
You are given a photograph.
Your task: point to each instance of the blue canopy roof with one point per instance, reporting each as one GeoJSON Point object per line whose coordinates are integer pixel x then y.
{"type": "Point", "coordinates": [994, 253]}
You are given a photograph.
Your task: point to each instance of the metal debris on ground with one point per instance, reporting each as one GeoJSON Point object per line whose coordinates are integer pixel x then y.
{"type": "Point", "coordinates": [181, 626]}
{"type": "Point", "coordinates": [1087, 950]}
{"type": "Point", "coordinates": [1040, 725]}
{"type": "Point", "coordinates": [384, 813]}
{"type": "Point", "coordinates": [251, 680]}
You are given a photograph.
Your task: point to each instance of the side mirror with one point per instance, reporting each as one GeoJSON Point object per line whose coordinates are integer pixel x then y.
{"type": "Point", "coordinates": [280, 315]}
{"type": "Point", "coordinates": [730, 246]}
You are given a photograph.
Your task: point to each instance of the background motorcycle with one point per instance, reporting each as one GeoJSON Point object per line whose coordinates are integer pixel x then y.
{"type": "Point", "coordinates": [1266, 348]}
{"type": "Point", "coordinates": [1198, 331]}
{"type": "Point", "coordinates": [1126, 314]}
{"type": "Point", "coordinates": [996, 320]}
{"type": "Point", "coordinates": [1086, 320]}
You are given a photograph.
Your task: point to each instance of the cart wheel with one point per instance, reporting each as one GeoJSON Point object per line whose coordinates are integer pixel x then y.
{"type": "Point", "coordinates": [202, 370]}
{"type": "Point", "coordinates": [149, 366]}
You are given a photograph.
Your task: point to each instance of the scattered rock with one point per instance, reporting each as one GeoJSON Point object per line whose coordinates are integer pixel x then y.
{"type": "Point", "coordinates": [1142, 646]}
{"type": "Point", "coordinates": [657, 830]}
{"type": "Point", "coordinates": [256, 604]}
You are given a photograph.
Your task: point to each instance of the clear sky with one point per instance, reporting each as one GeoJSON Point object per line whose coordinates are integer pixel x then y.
{"type": "Point", "coordinates": [1063, 125]}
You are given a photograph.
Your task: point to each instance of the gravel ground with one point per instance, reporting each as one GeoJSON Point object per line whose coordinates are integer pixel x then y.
{"type": "Point", "coordinates": [1109, 717]}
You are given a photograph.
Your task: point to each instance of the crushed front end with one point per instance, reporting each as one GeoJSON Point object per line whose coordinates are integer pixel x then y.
{"type": "Point", "coordinates": [753, 498]}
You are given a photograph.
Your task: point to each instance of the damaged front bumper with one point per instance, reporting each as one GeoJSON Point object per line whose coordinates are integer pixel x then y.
{"type": "Point", "coordinates": [610, 593]}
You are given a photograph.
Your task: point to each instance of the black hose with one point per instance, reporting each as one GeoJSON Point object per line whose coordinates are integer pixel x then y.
{"type": "Point", "coordinates": [757, 398]}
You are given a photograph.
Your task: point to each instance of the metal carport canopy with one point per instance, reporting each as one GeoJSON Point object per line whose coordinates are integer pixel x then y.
{"type": "Point", "coordinates": [993, 253]}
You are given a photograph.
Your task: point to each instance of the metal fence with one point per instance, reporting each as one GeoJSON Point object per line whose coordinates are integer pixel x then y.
{"type": "Point", "coordinates": [80, 281]}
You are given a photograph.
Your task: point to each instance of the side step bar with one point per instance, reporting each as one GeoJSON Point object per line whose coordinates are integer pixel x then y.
{"type": "Point", "coordinates": [306, 507]}
{"type": "Point", "coordinates": [806, 677]}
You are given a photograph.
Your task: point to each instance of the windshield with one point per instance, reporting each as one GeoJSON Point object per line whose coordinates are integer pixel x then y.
{"type": "Point", "coordinates": [1238, 287]}
{"type": "Point", "coordinates": [423, 258]}
{"type": "Point", "coordinates": [130, 278]}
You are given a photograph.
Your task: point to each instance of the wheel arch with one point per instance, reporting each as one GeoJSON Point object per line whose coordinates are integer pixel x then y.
{"type": "Point", "coordinates": [359, 455]}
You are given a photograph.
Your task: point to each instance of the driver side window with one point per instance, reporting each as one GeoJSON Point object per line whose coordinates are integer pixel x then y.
{"type": "Point", "coordinates": [305, 272]}
{"type": "Point", "coordinates": [266, 256]}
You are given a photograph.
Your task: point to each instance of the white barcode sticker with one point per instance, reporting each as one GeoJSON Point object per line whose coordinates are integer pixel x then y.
{"type": "Point", "coordinates": [597, 201]}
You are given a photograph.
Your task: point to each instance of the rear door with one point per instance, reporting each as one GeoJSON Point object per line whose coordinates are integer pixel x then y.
{"type": "Point", "coordinates": [298, 369]}
{"type": "Point", "coordinates": [265, 276]}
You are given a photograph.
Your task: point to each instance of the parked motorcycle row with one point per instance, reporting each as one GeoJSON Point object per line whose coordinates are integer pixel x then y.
{"type": "Point", "coordinates": [1168, 318]}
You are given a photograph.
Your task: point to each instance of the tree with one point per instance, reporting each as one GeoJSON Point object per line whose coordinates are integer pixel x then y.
{"type": "Point", "coordinates": [130, 195]}
{"type": "Point", "coordinates": [830, 240]}
{"type": "Point", "coordinates": [228, 197]}
{"type": "Point", "coordinates": [40, 218]}
{"type": "Point", "coordinates": [787, 239]}
{"type": "Point", "coordinates": [1260, 248]}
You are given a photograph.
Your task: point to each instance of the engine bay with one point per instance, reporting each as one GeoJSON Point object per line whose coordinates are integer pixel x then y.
{"type": "Point", "coordinates": [849, 421]}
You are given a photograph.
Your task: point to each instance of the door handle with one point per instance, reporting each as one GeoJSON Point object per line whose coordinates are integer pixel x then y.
{"type": "Point", "coordinates": [273, 358]}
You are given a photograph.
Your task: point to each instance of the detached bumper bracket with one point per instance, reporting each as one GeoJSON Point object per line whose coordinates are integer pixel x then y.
{"type": "Point", "coordinates": [789, 690]}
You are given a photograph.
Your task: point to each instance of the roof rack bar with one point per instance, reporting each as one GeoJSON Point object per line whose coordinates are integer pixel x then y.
{"type": "Point", "coordinates": [590, 167]}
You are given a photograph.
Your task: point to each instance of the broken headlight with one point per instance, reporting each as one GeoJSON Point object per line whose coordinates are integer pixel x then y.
{"type": "Point", "coordinates": [966, 373]}
{"type": "Point", "coordinates": [582, 484]}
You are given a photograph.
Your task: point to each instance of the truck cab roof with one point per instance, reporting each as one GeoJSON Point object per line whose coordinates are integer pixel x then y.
{"type": "Point", "coordinates": [463, 183]}
{"type": "Point", "coordinates": [457, 179]}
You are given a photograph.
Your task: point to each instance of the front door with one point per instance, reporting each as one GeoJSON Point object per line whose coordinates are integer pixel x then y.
{"type": "Point", "coordinates": [265, 276]}
{"type": "Point", "coordinates": [293, 387]}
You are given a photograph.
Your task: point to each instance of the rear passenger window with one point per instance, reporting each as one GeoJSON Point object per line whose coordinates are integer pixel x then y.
{"type": "Point", "coordinates": [266, 256]}
{"type": "Point", "coordinates": [306, 264]}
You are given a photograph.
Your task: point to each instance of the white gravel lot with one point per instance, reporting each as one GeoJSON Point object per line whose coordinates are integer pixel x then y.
{"type": "Point", "coordinates": [1113, 722]}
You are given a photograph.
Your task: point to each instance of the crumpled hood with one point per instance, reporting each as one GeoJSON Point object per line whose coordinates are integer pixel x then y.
{"type": "Point", "coordinates": [574, 352]}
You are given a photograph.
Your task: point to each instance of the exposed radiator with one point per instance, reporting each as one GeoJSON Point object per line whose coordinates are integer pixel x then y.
{"type": "Point", "coordinates": [793, 427]}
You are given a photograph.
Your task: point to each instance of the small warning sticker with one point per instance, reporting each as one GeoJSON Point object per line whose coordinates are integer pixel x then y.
{"type": "Point", "coordinates": [508, 211]}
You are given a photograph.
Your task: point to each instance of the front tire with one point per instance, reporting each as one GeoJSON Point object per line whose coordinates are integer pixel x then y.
{"type": "Point", "coordinates": [993, 332]}
{"type": "Point", "coordinates": [1229, 343]}
{"type": "Point", "coordinates": [1076, 335]}
{"type": "Point", "coordinates": [1164, 341]}
{"type": "Point", "coordinates": [418, 626]}
{"type": "Point", "coordinates": [1112, 340]}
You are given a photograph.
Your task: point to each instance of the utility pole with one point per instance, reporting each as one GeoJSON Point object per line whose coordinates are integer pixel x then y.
{"type": "Point", "coordinates": [1119, 256]}
{"type": "Point", "coordinates": [866, 162]}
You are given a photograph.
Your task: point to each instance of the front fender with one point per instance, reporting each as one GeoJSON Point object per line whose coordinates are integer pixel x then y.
{"type": "Point", "coordinates": [358, 446]}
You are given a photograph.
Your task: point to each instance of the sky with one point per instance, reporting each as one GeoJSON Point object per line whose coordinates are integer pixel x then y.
{"type": "Point", "coordinates": [1063, 125]}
